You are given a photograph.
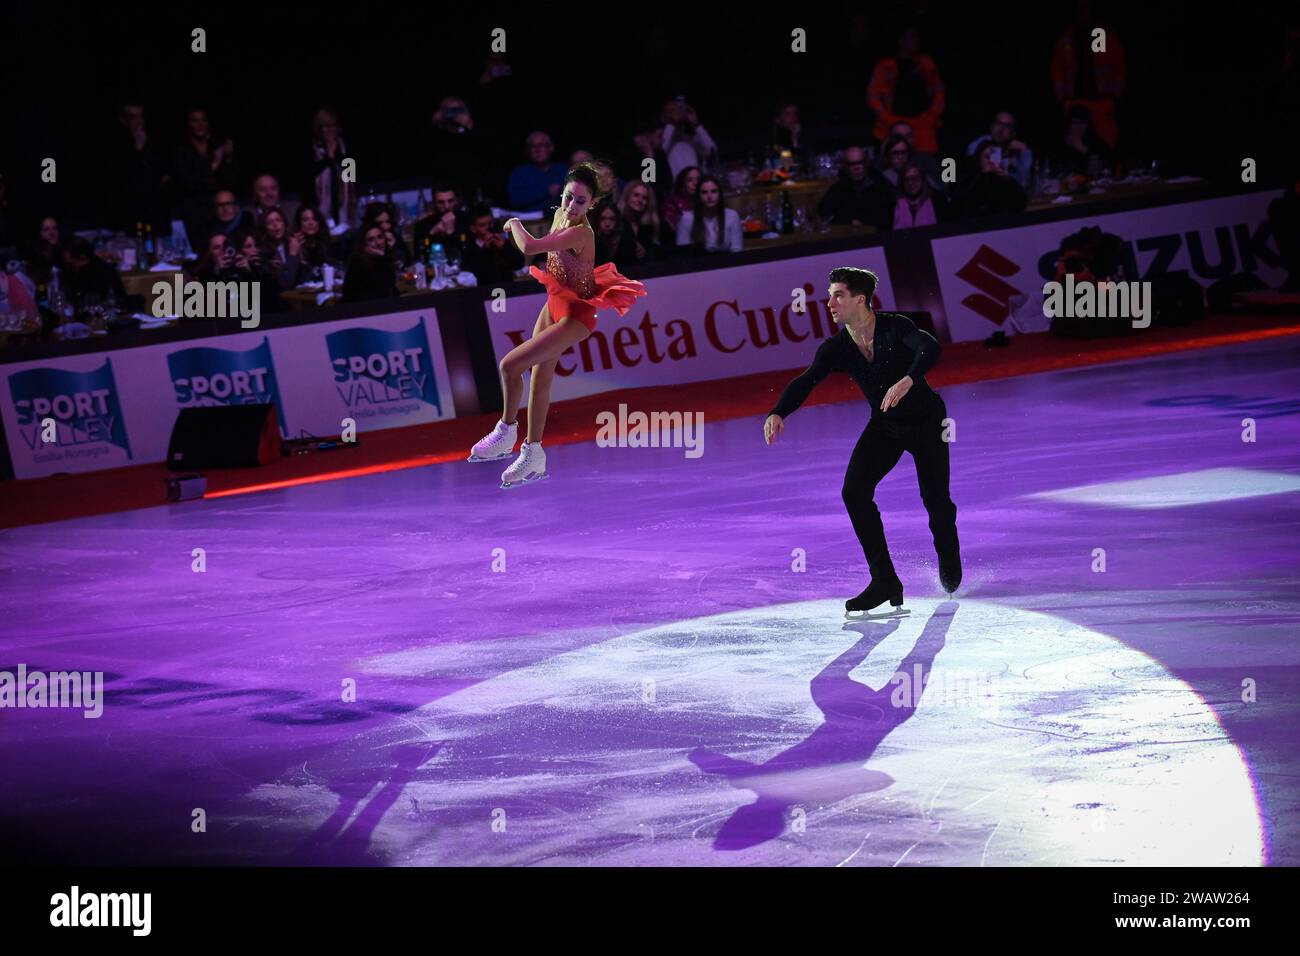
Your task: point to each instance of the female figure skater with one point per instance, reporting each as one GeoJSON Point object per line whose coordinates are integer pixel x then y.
{"type": "Point", "coordinates": [574, 291]}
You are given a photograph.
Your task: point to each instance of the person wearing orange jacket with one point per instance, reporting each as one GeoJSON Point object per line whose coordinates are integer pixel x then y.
{"type": "Point", "coordinates": [908, 88]}
{"type": "Point", "coordinates": [1089, 77]}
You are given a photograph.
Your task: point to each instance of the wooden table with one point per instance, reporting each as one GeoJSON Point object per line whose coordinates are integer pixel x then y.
{"type": "Point", "coordinates": [299, 299]}
{"type": "Point", "coordinates": [804, 192]}
{"type": "Point", "coordinates": [756, 240]}
{"type": "Point", "coordinates": [140, 283]}
{"type": "Point", "coordinates": [1114, 190]}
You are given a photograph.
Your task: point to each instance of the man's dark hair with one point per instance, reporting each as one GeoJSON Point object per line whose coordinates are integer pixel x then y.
{"type": "Point", "coordinates": [859, 281]}
{"type": "Point", "coordinates": [480, 210]}
{"type": "Point", "coordinates": [443, 186]}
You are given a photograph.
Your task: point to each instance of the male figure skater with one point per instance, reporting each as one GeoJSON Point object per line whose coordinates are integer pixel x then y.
{"type": "Point", "coordinates": [887, 356]}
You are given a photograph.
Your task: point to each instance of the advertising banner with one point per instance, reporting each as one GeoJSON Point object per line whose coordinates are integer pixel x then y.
{"type": "Point", "coordinates": [985, 277]}
{"type": "Point", "coordinates": [108, 410]}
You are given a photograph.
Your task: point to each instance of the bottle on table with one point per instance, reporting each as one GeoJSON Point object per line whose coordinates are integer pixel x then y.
{"type": "Point", "coordinates": [149, 258]}
{"type": "Point", "coordinates": [139, 247]}
{"type": "Point", "coordinates": [59, 302]}
{"type": "Point", "coordinates": [437, 262]}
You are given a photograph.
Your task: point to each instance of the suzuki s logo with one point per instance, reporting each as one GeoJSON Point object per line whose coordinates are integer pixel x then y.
{"type": "Point", "coordinates": [985, 272]}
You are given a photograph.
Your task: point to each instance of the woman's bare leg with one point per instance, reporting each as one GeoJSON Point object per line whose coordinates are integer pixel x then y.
{"type": "Point", "coordinates": [545, 347]}
{"type": "Point", "coordinates": [510, 403]}
{"type": "Point", "coordinates": [539, 399]}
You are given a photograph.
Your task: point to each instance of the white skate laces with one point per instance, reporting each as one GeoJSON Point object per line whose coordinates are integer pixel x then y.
{"type": "Point", "coordinates": [529, 466]}
{"type": "Point", "coordinates": [498, 443]}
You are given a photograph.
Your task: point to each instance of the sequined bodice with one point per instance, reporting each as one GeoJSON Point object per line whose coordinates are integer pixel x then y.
{"type": "Point", "coordinates": [573, 271]}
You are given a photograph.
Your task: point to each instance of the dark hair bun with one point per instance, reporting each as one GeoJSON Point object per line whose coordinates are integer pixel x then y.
{"type": "Point", "coordinates": [585, 173]}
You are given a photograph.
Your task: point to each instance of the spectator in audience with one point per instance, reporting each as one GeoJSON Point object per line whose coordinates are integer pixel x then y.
{"type": "Point", "coordinates": [1016, 156]}
{"type": "Point", "coordinates": [227, 216]}
{"type": "Point", "coordinates": [987, 190]}
{"type": "Point", "coordinates": [685, 141]}
{"type": "Point", "coordinates": [316, 247]}
{"type": "Point", "coordinates": [650, 145]}
{"type": "Point", "coordinates": [46, 252]}
{"type": "Point", "coordinates": [266, 196]}
{"type": "Point", "coordinates": [682, 198]}
{"type": "Point", "coordinates": [488, 255]}
{"type": "Point", "coordinates": [606, 179]}
{"type": "Point", "coordinates": [916, 204]}
{"type": "Point", "coordinates": [284, 249]}
{"type": "Point", "coordinates": [217, 261]}
{"type": "Point", "coordinates": [456, 147]}
{"type": "Point", "coordinates": [614, 241]}
{"type": "Point", "coordinates": [136, 172]}
{"type": "Point", "coordinates": [710, 226]}
{"type": "Point", "coordinates": [222, 261]}
{"type": "Point", "coordinates": [895, 156]}
{"type": "Point", "coordinates": [638, 211]}
{"type": "Point", "coordinates": [787, 133]}
{"type": "Point", "coordinates": [862, 196]}
{"type": "Point", "coordinates": [371, 273]}
{"type": "Point", "coordinates": [537, 183]}
{"type": "Point", "coordinates": [581, 156]}
{"type": "Point", "coordinates": [443, 221]}
{"type": "Point", "coordinates": [202, 167]}
{"type": "Point", "coordinates": [1081, 150]}
{"type": "Point", "coordinates": [908, 87]}
{"type": "Point", "coordinates": [254, 262]}
{"type": "Point", "coordinates": [496, 111]}
{"type": "Point", "coordinates": [927, 162]}
{"type": "Point", "coordinates": [88, 279]}
{"type": "Point", "coordinates": [382, 214]}
{"type": "Point", "coordinates": [1092, 80]}
{"type": "Point", "coordinates": [335, 198]}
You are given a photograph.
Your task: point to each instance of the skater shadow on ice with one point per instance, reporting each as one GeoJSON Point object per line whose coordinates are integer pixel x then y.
{"type": "Point", "coordinates": [827, 766]}
{"type": "Point", "coordinates": [336, 842]}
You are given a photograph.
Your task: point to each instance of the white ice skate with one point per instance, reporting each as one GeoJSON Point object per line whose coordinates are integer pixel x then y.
{"type": "Point", "coordinates": [497, 444]}
{"type": "Point", "coordinates": [529, 466]}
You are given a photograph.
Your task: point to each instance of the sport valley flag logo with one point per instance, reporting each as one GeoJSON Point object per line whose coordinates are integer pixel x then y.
{"type": "Point", "coordinates": [85, 409]}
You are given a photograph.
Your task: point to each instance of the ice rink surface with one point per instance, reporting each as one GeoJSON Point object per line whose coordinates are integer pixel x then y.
{"type": "Point", "coordinates": [645, 660]}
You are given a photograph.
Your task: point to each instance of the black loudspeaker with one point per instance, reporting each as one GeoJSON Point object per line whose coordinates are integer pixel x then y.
{"type": "Point", "coordinates": [224, 436]}
{"type": "Point", "coordinates": [1177, 299]}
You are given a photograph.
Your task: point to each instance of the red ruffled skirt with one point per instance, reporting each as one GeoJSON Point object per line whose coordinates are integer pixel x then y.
{"type": "Point", "coordinates": [613, 291]}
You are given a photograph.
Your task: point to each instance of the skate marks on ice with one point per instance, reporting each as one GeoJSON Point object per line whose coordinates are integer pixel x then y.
{"type": "Point", "coordinates": [970, 733]}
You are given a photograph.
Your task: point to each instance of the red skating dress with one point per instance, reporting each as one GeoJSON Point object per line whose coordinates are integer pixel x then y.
{"type": "Point", "coordinates": [575, 290]}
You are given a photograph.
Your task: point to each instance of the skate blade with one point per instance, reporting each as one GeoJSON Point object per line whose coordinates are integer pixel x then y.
{"type": "Point", "coordinates": [474, 457]}
{"type": "Point", "coordinates": [505, 485]}
{"type": "Point", "coordinates": [883, 615]}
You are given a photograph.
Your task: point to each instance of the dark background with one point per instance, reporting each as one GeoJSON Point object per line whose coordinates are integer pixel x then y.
{"type": "Point", "coordinates": [1203, 91]}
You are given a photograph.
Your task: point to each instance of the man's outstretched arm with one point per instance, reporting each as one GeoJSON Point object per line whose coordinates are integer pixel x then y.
{"type": "Point", "coordinates": [801, 387]}
{"type": "Point", "coordinates": [798, 390]}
